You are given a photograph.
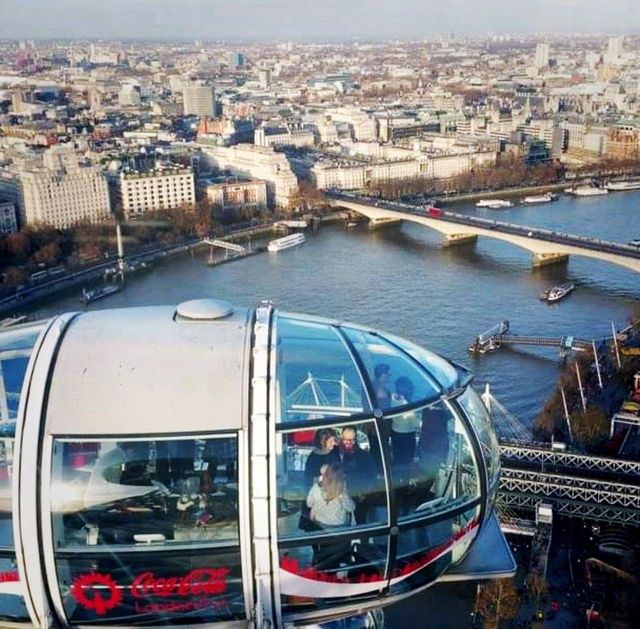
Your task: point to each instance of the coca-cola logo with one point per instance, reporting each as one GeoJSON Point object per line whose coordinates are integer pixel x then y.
{"type": "Point", "coordinates": [199, 582]}
{"type": "Point", "coordinates": [101, 593]}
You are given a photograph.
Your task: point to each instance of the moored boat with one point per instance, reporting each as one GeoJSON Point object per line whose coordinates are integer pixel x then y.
{"type": "Point", "coordinates": [559, 292]}
{"type": "Point", "coordinates": [621, 186]}
{"type": "Point", "coordinates": [588, 191]}
{"type": "Point", "coordinates": [94, 294]}
{"type": "Point", "coordinates": [540, 198]}
{"type": "Point", "coordinates": [494, 204]}
{"type": "Point", "coordinates": [286, 242]}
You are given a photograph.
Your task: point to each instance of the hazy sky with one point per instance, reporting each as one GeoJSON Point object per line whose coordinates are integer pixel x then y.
{"type": "Point", "coordinates": [309, 19]}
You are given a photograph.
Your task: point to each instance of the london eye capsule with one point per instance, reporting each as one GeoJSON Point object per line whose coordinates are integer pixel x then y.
{"type": "Point", "coordinates": [211, 464]}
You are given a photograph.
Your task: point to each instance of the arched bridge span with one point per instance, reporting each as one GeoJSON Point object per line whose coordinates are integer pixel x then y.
{"type": "Point", "coordinates": [547, 246]}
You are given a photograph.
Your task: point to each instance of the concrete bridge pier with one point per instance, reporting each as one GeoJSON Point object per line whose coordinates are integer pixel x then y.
{"type": "Point", "coordinates": [546, 259]}
{"type": "Point", "coordinates": [453, 240]}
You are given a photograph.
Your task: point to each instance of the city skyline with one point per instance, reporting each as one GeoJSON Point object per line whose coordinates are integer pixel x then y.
{"type": "Point", "coordinates": [260, 20]}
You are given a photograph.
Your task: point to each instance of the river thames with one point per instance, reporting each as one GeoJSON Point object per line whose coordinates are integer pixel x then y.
{"type": "Point", "coordinates": [402, 280]}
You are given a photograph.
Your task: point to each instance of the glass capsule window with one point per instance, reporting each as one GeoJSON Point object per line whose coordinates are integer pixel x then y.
{"type": "Point", "coordinates": [16, 347]}
{"type": "Point", "coordinates": [432, 462]}
{"type": "Point", "coordinates": [478, 414]}
{"type": "Point", "coordinates": [395, 379]}
{"type": "Point", "coordinates": [176, 499]}
{"type": "Point", "coordinates": [317, 377]}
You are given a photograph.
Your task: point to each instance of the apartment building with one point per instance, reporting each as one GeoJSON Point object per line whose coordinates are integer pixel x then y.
{"type": "Point", "coordinates": [164, 187]}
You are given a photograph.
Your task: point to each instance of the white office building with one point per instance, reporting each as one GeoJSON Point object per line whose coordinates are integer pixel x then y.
{"type": "Point", "coordinates": [257, 162]}
{"type": "Point", "coordinates": [161, 188]}
{"type": "Point", "coordinates": [62, 192]}
{"type": "Point", "coordinates": [198, 100]}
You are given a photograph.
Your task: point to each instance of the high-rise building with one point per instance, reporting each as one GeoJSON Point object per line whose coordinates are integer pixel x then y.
{"type": "Point", "coordinates": [264, 77]}
{"type": "Point", "coordinates": [542, 55]}
{"type": "Point", "coordinates": [235, 59]}
{"type": "Point", "coordinates": [616, 47]}
{"type": "Point", "coordinates": [161, 188]}
{"type": "Point", "coordinates": [60, 193]}
{"type": "Point", "coordinates": [198, 100]}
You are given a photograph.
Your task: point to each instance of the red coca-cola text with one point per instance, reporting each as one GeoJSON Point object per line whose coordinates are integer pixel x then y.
{"type": "Point", "coordinates": [199, 582]}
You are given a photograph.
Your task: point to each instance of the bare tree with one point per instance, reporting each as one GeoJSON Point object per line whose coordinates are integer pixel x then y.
{"type": "Point", "coordinates": [497, 600]}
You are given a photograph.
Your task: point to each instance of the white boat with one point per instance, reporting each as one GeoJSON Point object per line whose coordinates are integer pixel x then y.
{"type": "Point", "coordinates": [494, 204]}
{"type": "Point", "coordinates": [292, 240]}
{"type": "Point", "coordinates": [294, 224]}
{"type": "Point", "coordinates": [632, 243]}
{"type": "Point", "coordinates": [588, 191]}
{"type": "Point", "coordinates": [98, 293]}
{"type": "Point", "coordinates": [621, 186]}
{"type": "Point", "coordinates": [540, 198]}
{"type": "Point", "coordinates": [558, 292]}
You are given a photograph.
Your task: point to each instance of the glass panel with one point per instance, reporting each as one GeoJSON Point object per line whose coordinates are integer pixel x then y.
{"type": "Point", "coordinates": [316, 376]}
{"type": "Point", "coordinates": [329, 479]}
{"type": "Point", "coordinates": [477, 413]}
{"type": "Point", "coordinates": [425, 551]}
{"type": "Point", "coordinates": [445, 374]}
{"type": "Point", "coordinates": [152, 588]}
{"type": "Point", "coordinates": [396, 380]}
{"type": "Point", "coordinates": [16, 345]}
{"type": "Point", "coordinates": [6, 475]}
{"type": "Point", "coordinates": [12, 607]}
{"type": "Point", "coordinates": [145, 492]}
{"type": "Point", "coordinates": [432, 465]}
{"type": "Point", "coordinates": [318, 573]}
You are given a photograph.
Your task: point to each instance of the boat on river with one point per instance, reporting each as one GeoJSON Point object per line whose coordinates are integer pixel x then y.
{"type": "Point", "coordinates": [547, 197]}
{"type": "Point", "coordinates": [94, 294]}
{"type": "Point", "coordinates": [559, 292]}
{"type": "Point", "coordinates": [588, 191]}
{"type": "Point", "coordinates": [622, 186]}
{"type": "Point", "coordinates": [286, 242]}
{"type": "Point", "coordinates": [494, 204]}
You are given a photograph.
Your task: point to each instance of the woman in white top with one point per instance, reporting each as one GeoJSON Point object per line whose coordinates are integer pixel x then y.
{"type": "Point", "coordinates": [328, 500]}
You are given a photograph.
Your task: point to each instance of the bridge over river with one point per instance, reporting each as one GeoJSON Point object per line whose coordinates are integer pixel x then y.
{"type": "Point", "coordinates": [547, 246]}
{"type": "Point", "coordinates": [576, 484]}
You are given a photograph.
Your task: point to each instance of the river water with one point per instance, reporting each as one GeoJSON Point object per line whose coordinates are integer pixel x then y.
{"type": "Point", "coordinates": [402, 280]}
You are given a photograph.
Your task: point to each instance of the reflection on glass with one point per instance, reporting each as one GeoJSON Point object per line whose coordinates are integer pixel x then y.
{"type": "Point", "coordinates": [329, 479]}
{"type": "Point", "coordinates": [477, 412]}
{"type": "Point", "coordinates": [152, 588]}
{"type": "Point", "coordinates": [12, 607]}
{"type": "Point", "coordinates": [432, 469]}
{"type": "Point", "coordinates": [424, 551]}
{"type": "Point", "coordinates": [144, 492]}
{"type": "Point", "coordinates": [395, 379]}
{"type": "Point", "coordinates": [16, 345]}
{"type": "Point", "coordinates": [347, 566]}
{"type": "Point", "coordinates": [316, 374]}
{"type": "Point", "coordinates": [6, 474]}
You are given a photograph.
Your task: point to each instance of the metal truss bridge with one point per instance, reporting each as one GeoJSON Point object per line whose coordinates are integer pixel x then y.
{"type": "Point", "coordinates": [576, 484]}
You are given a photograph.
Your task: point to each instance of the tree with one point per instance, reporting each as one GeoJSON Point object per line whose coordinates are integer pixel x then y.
{"type": "Point", "coordinates": [18, 245]}
{"type": "Point", "coordinates": [591, 427]}
{"type": "Point", "coordinates": [497, 600]}
{"type": "Point", "coordinates": [48, 254]}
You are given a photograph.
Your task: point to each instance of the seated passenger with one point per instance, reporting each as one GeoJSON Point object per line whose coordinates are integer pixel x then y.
{"type": "Point", "coordinates": [403, 427]}
{"type": "Point", "coordinates": [330, 505]}
{"type": "Point", "coordinates": [359, 470]}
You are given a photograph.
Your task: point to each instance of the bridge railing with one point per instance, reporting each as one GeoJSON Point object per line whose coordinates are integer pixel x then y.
{"type": "Point", "coordinates": [586, 242]}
